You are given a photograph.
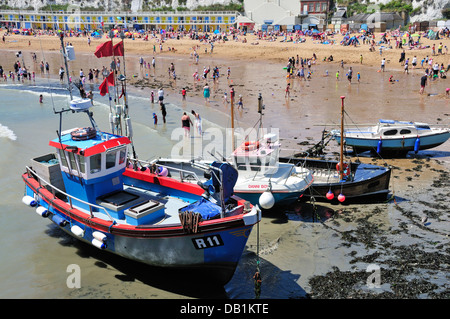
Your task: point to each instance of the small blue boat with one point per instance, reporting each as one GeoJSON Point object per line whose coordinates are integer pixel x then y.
{"type": "Point", "coordinates": [394, 137]}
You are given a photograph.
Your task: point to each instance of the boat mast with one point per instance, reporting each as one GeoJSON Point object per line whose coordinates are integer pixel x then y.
{"type": "Point", "coordinates": [341, 159]}
{"type": "Point", "coordinates": [233, 144]}
{"type": "Point", "coordinates": [61, 37]}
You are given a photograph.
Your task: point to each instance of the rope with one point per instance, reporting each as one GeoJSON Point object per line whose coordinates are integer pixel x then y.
{"type": "Point", "coordinates": [190, 220]}
{"type": "Point", "coordinates": [257, 276]}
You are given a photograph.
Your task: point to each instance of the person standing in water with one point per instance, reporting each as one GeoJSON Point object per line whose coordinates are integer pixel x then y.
{"type": "Point", "coordinates": [206, 92]}
{"type": "Point", "coordinates": [186, 124]}
{"type": "Point", "coordinates": [198, 122]}
{"type": "Point", "coordinates": [163, 111]}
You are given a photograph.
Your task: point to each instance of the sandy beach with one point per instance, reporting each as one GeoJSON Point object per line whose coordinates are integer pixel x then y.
{"type": "Point", "coordinates": [253, 49]}
{"type": "Point", "coordinates": [309, 251]}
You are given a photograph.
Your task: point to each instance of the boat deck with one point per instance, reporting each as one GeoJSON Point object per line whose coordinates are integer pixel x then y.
{"type": "Point", "coordinates": [171, 204]}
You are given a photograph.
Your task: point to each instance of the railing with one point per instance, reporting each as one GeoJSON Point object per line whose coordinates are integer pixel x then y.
{"type": "Point", "coordinates": [41, 180]}
{"type": "Point", "coordinates": [120, 13]}
{"type": "Point", "coordinates": [180, 170]}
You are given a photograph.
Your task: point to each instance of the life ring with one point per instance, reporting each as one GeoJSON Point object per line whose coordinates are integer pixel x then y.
{"type": "Point", "coordinates": [345, 170]}
{"type": "Point", "coordinates": [82, 134]}
{"type": "Point", "coordinates": [250, 145]}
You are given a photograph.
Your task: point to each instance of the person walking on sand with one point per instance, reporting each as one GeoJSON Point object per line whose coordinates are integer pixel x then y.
{"type": "Point", "coordinates": [383, 62]}
{"type": "Point", "coordinates": [240, 102]}
{"type": "Point", "coordinates": [423, 82]}
{"type": "Point", "coordinates": [183, 94]}
{"type": "Point", "coordinates": [287, 93]}
{"type": "Point", "coordinates": [337, 75]}
{"type": "Point", "coordinates": [186, 124]}
{"type": "Point", "coordinates": [206, 92]}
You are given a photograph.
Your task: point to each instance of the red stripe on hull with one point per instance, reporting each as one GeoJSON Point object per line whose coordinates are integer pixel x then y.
{"type": "Point", "coordinates": [157, 231]}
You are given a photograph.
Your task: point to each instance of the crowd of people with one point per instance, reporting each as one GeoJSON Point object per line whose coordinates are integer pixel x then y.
{"type": "Point", "coordinates": [297, 68]}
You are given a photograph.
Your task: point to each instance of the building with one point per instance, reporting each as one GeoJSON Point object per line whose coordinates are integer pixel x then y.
{"type": "Point", "coordinates": [315, 12]}
{"type": "Point", "coordinates": [380, 21]}
{"type": "Point", "coordinates": [287, 14]}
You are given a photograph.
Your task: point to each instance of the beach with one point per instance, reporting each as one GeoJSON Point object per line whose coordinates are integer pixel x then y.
{"type": "Point", "coordinates": [319, 250]}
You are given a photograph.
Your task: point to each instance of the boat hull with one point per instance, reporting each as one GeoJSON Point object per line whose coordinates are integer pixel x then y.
{"type": "Point", "coordinates": [281, 198]}
{"type": "Point", "coordinates": [370, 183]}
{"type": "Point", "coordinates": [216, 246]}
{"type": "Point", "coordinates": [392, 145]}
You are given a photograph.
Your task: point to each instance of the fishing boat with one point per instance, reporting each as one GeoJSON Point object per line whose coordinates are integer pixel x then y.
{"type": "Point", "coordinates": [394, 137]}
{"type": "Point", "coordinates": [336, 180]}
{"type": "Point", "coordinates": [80, 187]}
{"type": "Point", "coordinates": [361, 182]}
{"type": "Point", "coordinates": [262, 179]}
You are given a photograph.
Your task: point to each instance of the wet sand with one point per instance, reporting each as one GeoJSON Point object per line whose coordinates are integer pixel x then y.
{"type": "Point", "coordinates": [323, 251]}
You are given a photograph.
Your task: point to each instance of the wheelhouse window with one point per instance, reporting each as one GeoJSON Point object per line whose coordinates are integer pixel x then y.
{"type": "Point", "coordinates": [72, 163]}
{"type": "Point", "coordinates": [405, 131]}
{"type": "Point", "coordinates": [122, 156]}
{"type": "Point", "coordinates": [63, 158]}
{"type": "Point", "coordinates": [82, 162]}
{"type": "Point", "coordinates": [111, 159]}
{"type": "Point", "coordinates": [95, 163]}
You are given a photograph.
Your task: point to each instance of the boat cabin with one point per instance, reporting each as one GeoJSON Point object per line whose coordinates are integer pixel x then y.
{"type": "Point", "coordinates": [258, 156]}
{"type": "Point", "coordinates": [91, 162]}
{"type": "Point", "coordinates": [395, 128]}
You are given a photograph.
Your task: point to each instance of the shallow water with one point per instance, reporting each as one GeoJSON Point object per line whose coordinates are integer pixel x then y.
{"type": "Point", "coordinates": [294, 245]}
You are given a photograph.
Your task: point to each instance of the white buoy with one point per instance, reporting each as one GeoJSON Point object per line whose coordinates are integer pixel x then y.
{"type": "Point", "coordinates": [266, 200]}
{"type": "Point", "coordinates": [98, 244]}
{"type": "Point", "coordinates": [28, 200]}
{"type": "Point", "coordinates": [77, 230]}
{"type": "Point", "coordinates": [99, 236]}
{"type": "Point", "coordinates": [42, 211]}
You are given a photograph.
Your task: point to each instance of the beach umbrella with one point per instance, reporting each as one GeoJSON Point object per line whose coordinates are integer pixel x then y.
{"type": "Point", "coordinates": [415, 35]}
{"type": "Point", "coordinates": [216, 31]}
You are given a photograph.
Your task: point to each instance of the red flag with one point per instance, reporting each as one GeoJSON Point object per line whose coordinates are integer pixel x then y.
{"type": "Point", "coordinates": [107, 82]}
{"type": "Point", "coordinates": [104, 50]}
{"type": "Point", "coordinates": [118, 49]}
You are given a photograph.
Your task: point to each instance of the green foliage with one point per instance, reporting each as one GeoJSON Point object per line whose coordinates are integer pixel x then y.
{"type": "Point", "coordinates": [221, 7]}
{"type": "Point", "coordinates": [54, 7]}
{"type": "Point", "coordinates": [396, 6]}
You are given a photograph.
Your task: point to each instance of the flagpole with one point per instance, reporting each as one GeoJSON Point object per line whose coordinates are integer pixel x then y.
{"type": "Point", "coordinates": [116, 89]}
{"type": "Point", "coordinates": [125, 96]}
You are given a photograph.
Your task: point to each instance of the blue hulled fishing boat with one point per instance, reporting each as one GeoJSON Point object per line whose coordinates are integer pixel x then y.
{"type": "Point", "coordinates": [80, 187]}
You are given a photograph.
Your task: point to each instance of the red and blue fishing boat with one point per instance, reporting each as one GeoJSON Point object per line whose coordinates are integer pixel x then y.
{"type": "Point", "coordinates": [80, 187]}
